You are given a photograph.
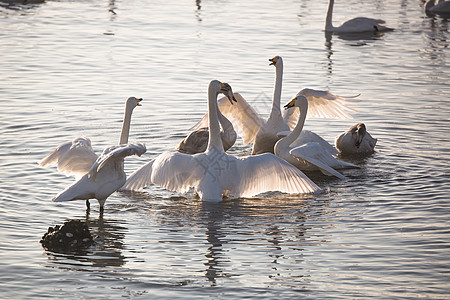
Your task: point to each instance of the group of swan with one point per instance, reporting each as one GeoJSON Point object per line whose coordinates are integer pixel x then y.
{"type": "Point", "coordinates": [278, 155]}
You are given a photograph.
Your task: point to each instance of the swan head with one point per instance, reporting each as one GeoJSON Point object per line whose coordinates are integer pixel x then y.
{"type": "Point", "coordinates": [225, 89]}
{"type": "Point", "coordinates": [358, 132]}
{"type": "Point", "coordinates": [132, 102]}
{"type": "Point", "coordinates": [276, 61]}
{"type": "Point", "coordinates": [298, 101]}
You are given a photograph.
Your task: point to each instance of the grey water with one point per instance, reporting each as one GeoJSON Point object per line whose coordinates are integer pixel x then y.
{"type": "Point", "coordinates": [66, 68]}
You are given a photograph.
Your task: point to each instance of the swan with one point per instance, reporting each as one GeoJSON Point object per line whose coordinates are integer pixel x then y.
{"type": "Point", "coordinates": [263, 133]}
{"type": "Point", "coordinates": [442, 7]}
{"type": "Point", "coordinates": [356, 25]}
{"type": "Point", "coordinates": [104, 177]}
{"type": "Point", "coordinates": [310, 155]}
{"type": "Point", "coordinates": [356, 140]}
{"type": "Point", "coordinates": [215, 173]}
{"type": "Point", "coordinates": [197, 140]}
{"type": "Point", "coordinates": [76, 157]}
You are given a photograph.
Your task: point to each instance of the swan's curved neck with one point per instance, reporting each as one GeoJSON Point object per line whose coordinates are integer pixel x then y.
{"type": "Point", "coordinates": [224, 122]}
{"type": "Point", "coordinates": [286, 141]}
{"type": "Point", "coordinates": [275, 111]}
{"type": "Point", "coordinates": [214, 142]}
{"type": "Point", "coordinates": [328, 23]}
{"type": "Point", "coordinates": [125, 126]}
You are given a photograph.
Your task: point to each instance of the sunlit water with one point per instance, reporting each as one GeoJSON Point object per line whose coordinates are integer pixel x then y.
{"type": "Point", "coordinates": [66, 68]}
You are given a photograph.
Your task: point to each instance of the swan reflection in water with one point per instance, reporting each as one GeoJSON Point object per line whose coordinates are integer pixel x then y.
{"type": "Point", "coordinates": [106, 251]}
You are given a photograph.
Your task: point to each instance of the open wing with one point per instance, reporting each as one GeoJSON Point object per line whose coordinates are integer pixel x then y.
{"type": "Point", "coordinates": [140, 178]}
{"type": "Point", "coordinates": [267, 172]}
{"type": "Point", "coordinates": [73, 158]}
{"type": "Point", "coordinates": [244, 118]}
{"type": "Point", "coordinates": [115, 154]}
{"type": "Point", "coordinates": [321, 104]}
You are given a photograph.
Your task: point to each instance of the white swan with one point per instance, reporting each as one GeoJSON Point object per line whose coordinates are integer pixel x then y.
{"type": "Point", "coordinates": [310, 155]}
{"type": "Point", "coordinates": [442, 7]}
{"type": "Point", "coordinates": [264, 133]}
{"type": "Point", "coordinates": [76, 157]}
{"type": "Point", "coordinates": [356, 140]}
{"type": "Point", "coordinates": [105, 176]}
{"type": "Point", "coordinates": [215, 173]}
{"type": "Point", "coordinates": [197, 140]}
{"type": "Point", "coordinates": [356, 25]}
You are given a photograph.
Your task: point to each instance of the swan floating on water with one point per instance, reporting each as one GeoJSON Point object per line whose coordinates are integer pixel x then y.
{"type": "Point", "coordinates": [356, 140]}
{"type": "Point", "coordinates": [264, 133]}
{"type": "Point", "coordinates": [197, 140]}
{"type": "Point", "coordinates": [356, 25]}
{"type": "Point", "coordinates": [214, 173]}
{"type": "Point", "coordinates": [442, 7]}
{"type": "Point", "coordinates": [102, 175]}
{"type": "Point", "coordinates": [310, 155]}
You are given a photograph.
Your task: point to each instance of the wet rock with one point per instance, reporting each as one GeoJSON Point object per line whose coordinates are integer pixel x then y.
{"type": "Point", "coordinates": [73, 235]}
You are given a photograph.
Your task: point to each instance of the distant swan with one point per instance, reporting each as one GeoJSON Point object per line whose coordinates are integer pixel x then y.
{"type": "Point", "coordinates": [215, 173]}
{"type": "Point", "coordinates": [197, 140]}
{"type": "Point", "coordinates": [442, 7]}
{"type": "Point", "coordinates": [77, 156]}
{"type": "Point", "coordinates": [310, 155]}
{"type": "Point", "coordinates": [263, 133]}
{"type": "Point", "coordinates": [356, 140]}
{"type": "Point", "coordinates": [102, 175]}
{"type": "Point", "coordinates": [360, 24]}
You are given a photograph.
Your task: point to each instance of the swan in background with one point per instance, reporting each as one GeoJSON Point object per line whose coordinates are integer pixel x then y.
{"type": "Point", "coordinates": [105, 176]}
{"type": "Point", "coordinates": [263, 133]}
{"type": "Point", "coordinates": [197, 140]}
{"type": "Point", "coordinates": [215, 173]}
{"type": "Point", "coordinates": [310, 155]}
{"type": "Point", "coordinates": [356, 140]}
{"type": "Point", "coordinates": [442, 7]}
{"type": "Point", "coordinates": [77, 157]}
{"type": "Point", "coordinates": [356, 25]}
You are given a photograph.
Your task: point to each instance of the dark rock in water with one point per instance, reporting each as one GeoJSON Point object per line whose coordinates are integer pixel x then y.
{"type": "Point", "coordinates": [73, 235]}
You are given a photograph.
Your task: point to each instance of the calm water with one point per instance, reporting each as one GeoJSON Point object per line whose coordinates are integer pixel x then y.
{"type": "Point", "coordinates": [66, 68]}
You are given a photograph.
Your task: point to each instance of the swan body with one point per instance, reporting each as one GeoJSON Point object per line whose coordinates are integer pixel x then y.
{"type": "Point", "coordinates": [197, 140]}
{"type": "Point", "coordinates": [214, 173]}
{"type": "Point", "coordinates": [105, 176]}
{"type": "Point", "coordinates": [77, 156]}
{"type": "Point", "coordinates": [310, 155]}
{"type": "Point", "coordinates": [356, 140]}
{"type": "Point", "coordinates": [356, 25]}
{"type": "Point", "coordinates": [441, 7]}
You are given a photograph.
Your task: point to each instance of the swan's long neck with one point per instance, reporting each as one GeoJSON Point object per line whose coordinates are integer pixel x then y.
{"type": "Point", "coordinates": [329, 19]}
{"type": "Point", "coordinates": [125, 126]}
{"type": "Point", "coordinates": [275, 111]}
{"type": "Point", "coordinates": [214, 142]}
{"type": "Point", "coordinates": [288, 140]}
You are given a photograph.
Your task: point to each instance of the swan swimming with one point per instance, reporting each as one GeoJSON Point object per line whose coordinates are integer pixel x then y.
{"type": "Point", "coordinates": [356, 140]}
{"type": "Point", "coordinates": [356, 25]}
{"type": "Point", "coordinates": [310, 155]}
{"type": "Point", "coordinates": [214, 173]}
{"type": "Point", "coordinates": [197, 140]}
{"type": "Point", "coordinates": [264, 133]}
{"type": "Point", "coordinates": [102, 175]}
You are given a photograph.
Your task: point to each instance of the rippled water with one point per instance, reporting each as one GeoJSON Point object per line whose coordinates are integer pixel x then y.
{"type": "Point", "coordinates": [66, 69]}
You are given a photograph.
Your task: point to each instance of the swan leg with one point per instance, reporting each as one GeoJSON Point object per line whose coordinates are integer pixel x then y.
{"type": "Point", "coordinates": [101, 202]}
{"type": "Point", "coordinates": [88, 205]}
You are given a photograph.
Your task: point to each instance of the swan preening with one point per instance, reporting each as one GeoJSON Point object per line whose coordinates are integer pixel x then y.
{"type": "Point", "coordinates": [214, 173]}
{"type": "Point", "coordinates": [102, 175]}
{"type": "Point", "coordinates": [356, 140]}
{"type": "Point", "coordinates": [197, 140]}
{"type": "Point", "coordinates": [356, 25]}
{"type": "Point", "coordinates": [438, 7]}
{"type": "Point", "coordinates": [310, 155]}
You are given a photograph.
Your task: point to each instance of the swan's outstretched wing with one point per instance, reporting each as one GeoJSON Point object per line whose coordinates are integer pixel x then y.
{"type": "Point", "coordinates": [75, 157]}
{"type": "Point", "coordinates": [115, 154]}
{"type": "Point", "coordinates": [267, 172]}
{"type": "Point", "coordinates": [316, 155]}
{"type": "Point", "coordinates": [244, 118]}
{"type": "Point", "coordinates": [321, 104]}
{"type": "Point", "coordinates": [140, 178]}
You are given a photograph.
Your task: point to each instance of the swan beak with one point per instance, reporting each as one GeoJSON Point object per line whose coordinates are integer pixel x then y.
{"type": "Point", "coordinates": [290, 104]}
{"type": "Point", "coordinates": [138, 101]}
{"type": "Point", "coordinates": [273, 61]}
